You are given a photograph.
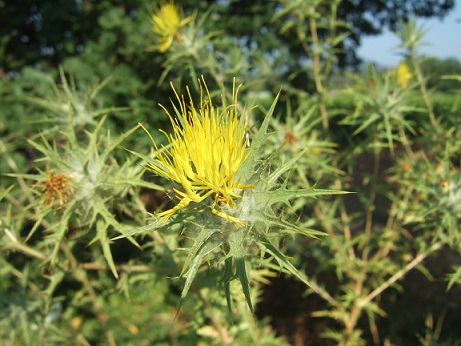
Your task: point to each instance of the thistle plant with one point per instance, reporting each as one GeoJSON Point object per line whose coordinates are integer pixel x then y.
{"type": "Point", "coordinates": [81, 183]}
{"type": "Point", "coordinates": [382, 109]}
{"type": "Point", "coordinates": [411, 37]}
{"type": "Point", "coordinates": [69, 99]}
{"type": "Point", "coordinates": [437, 186]}
{"type": "Point", "coordinates": [306, 21]}
{"type": "Point", "coordinates": [432, 174]}
{"type": "Point", "coordinates": [194, 50]}
{"type": "Point", "coordinates": [193, 53]}
{"type": "Point", "coordinates": [298, 132]}
{"type": "Point", "coordinates": [227, 199]}
{"type": "Point", "coordinates": [231, 198]}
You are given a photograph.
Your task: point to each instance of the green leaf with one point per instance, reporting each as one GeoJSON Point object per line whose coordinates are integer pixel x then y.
{"type": "Point", "coordinates": [150, 227]}
{"type": "Point", "coordinates": [197, 252]}
{"type": "Point", "coordinates": [118, 141]}
{"type": "Point", "coordinates": [266, 246]}
{"type": "Point", "coordinates": [101, 228]}
{"type": "Point", "coordinates": [59, 230]}
{"type": "Point", "coordinates": [5, 192]}
{"type": "Point", "coordinates": [278, 172]}
{"type": "Point", "coordinates": [285, 195]}
{"type": "Point", "coordinates": [137, 182]}
{"type": "Point", "coordinates": [371, 119]}
{"type": "Point", "coordinates": [55, 280]}
{"type": "Point", "coordinates": [246, 170]}
{"type": "Point", "coordinates": [284, 226]}
{"type": "Point", "coordinates": [243, 278]}
{"type": "Point", "coordinates": [454, 278]}
{"type": "Point", "coordinates": [227, 277]}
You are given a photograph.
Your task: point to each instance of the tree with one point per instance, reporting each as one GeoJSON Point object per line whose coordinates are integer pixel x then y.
{"type": "Point", "coordinates": [48, 31]}
{"type": "Point", "coordinates": [373, 17]}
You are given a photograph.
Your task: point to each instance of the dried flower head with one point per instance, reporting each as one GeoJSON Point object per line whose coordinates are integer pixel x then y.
{"type": "Point", "coordinates": [166, 21]}
{"type": "Point", "coordinates": [290, 138]}
{"type": "Point", "coordinates": [57, 186]}
{"type": "Point", "coordinates": [206, 150]}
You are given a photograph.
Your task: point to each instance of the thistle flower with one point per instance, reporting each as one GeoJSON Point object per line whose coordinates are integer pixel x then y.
{"type": "Point", "coordinates": [166, 21]}
{"type": "Point", "coordinates": [209, 157]}
{"type": "Point", "coordinates": [403, 74]}
{"type": "Point", "coordinates": [206, 150]}
{"type": "Point", "coordinates": [56, 185]}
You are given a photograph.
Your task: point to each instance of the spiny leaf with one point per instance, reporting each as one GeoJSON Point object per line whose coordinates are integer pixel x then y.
{"type": "Point", "coordinates": [284, 195]}
{"type": "Point", "coordinates": [101, 228]}
{"type": "Point", "coordinates": [199, 242]}
{"type": "Point", "coordinates": [55, 279]}
{"type": "Point", "coordinates": [284, 226]}
{"type": "Point", "coordinates": [61, 229]}
{"type": "Point", "coordinates": [200, 249]}
{"type": "Point", "coordinates": [243, 278]}
{"type": "Point", "coordinates": [6, 191]}
{"type": "Point", "coordinates": [281, 259]}
{"type": "Point", "coordinates": [93, 138]}
{"type": "Point", "coordinates": [117, 142]}
{"type": "Point", "coordinates": [137, 183]}
{"type": "Point", "coordinates": [454, 277]}
{"type": "Point", "coordinates": [24, 176]}
{"type": "Point", "coordinates": [250, 162]}
{"type": "Point", "coordinates": [285, 167]}
{"type": "Point", "coordinates": [101, 209]}
{"type": "Point", "coordinates": [227, 277]}
{"type": "Point", "coordinates": [151, 227]}
{"type": "Point", "coordinates": [38, 221]}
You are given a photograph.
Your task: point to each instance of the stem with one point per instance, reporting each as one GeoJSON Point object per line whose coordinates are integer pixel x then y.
{"type": "Point", "coordinates": [325, 295]}
{"type": "Point", "coordinates": [16, 245]}
{"type": "Point", "coordinates": [121, 267]}
{"type": "Point", "coordinates": [350, 320]}
{"type": "Point", "coordinates": [405, 142]}
{"type": "Point", "coordinates": [81, 275]}
{"type": "Point", "coordinates": [8, 267]}
{"type": "Point", "coordinates": [369, 216]}
{"type": "Point", "coordinates": [422, 85]}
{"type": "Point", "coordinates": [316, 71]}
{"type": "Point", "coordinates": [226, 340]}
{"type": "Point", "coordinates": [347, 231]}
{"type": "Point", "coordinates": [418, 259]}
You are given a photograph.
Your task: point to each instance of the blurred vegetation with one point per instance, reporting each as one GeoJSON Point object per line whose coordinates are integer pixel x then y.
{"type": "Point", "coordinates": [78, 77]}
{"type": "Point", "coordinates": [434, 68]}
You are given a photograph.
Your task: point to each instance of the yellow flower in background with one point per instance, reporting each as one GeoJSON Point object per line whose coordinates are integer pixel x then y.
{"type": "Point", "coordinates": [207, 149]}
{"type": "Point", "coordinates": [166, 21]}
{"type": "Point", "coordinates": [404, 75]}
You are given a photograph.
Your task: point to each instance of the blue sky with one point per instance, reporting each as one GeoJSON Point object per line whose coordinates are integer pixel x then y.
{"type": "Point", "coordinates": [443, 38]}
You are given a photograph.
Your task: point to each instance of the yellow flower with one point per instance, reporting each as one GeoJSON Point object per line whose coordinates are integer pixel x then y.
{"type": "Point", "coordinates": [166, 21]}
{"type": "Point", "coordinates": [404, 75]}
{"type": "Point", "coordinates": [206, 150]}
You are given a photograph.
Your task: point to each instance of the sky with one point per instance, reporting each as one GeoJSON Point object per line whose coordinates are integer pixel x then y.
{"type": "Point", "coordinates": [443, 40]}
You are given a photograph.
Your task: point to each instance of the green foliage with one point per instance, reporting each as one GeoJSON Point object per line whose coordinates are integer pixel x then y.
{"type": "Point", "coordinates": [86, 260]}
{"type": "Point", "coordinates": [381, 109]}
{"type": "Point", "coordinates": [435, 70]}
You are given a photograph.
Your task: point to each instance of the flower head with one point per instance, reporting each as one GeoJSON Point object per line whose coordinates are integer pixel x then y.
{"type": "Point", "coordinates": [166, 21]}
{"type": "Point", "coordinates": [404, 75]}
{"type": "Point", "coordinates": [207, 148]}
{"type": "Point", "coordinates": [56, 186]}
